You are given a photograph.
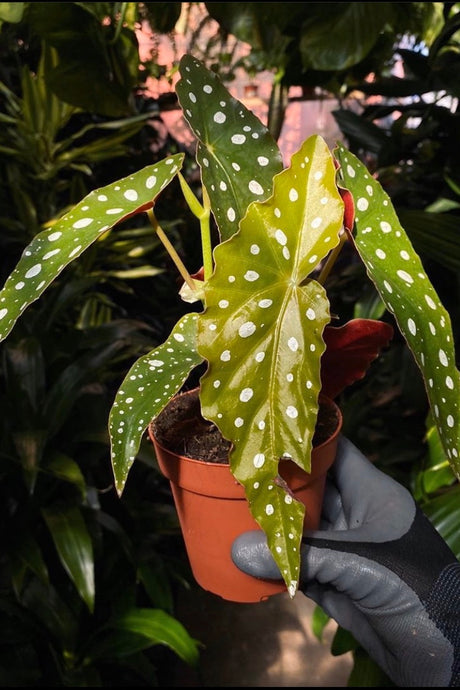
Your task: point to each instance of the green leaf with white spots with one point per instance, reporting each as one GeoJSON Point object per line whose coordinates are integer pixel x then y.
{"type": "Point", "coordinates": [147, 388]}
{"type": "Point", "coordinates": [399, 276]}
{"type": "Point", "coordinates": [237, 154]}
{"type": "Point", "coordinates": [52, 250]}
{"type": "Point", "coordinates": [262, 334]}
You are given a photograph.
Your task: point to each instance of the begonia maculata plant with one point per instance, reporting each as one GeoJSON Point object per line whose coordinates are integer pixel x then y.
{"type": "Point", "coordinates": [263, 325]}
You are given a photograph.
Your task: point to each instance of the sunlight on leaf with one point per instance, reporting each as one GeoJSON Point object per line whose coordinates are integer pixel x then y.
{"type": "Point", "coordinates": [270, 316]}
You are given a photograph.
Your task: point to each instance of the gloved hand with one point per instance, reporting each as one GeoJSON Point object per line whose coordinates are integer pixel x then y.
{"type": "Point", "coordinates": [381, 570]}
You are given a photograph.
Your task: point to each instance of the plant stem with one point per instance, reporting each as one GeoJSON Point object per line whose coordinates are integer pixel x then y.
{"type": "Point", "coordinates": [119, 26]}
{"type": "Point", "coordinates": [171, 251]}
{"type": "Point", "coordinates": [206, 235]}
{"type": "Point", "coordinates": [331, 259]}
{"type": "Point", "coordinates": [203, 213]}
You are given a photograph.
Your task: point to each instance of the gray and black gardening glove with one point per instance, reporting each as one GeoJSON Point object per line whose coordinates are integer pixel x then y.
{"type": "Point", "coordinates": [381, 570]}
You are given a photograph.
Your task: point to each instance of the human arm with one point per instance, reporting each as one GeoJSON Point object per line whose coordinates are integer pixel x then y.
{"type": "Point", "coordinates": [381, 570]}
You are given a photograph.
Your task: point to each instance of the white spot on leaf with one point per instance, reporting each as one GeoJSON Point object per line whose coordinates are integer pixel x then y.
{"type": "Point", "coordinates": [246, 394]}
{"type": "Point", "coordinates": [251, 276]}
{"type": "Point", "coordinates": [35, 270]}
{"type": "Point", "coordinates": [247, 329]}
{"type": "Point", "coordinates": [82, 223]}
{"type": "Point", "coordinates": [259, 459]}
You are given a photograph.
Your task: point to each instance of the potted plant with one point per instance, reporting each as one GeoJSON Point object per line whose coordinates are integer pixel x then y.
{"type": "Point", "coordinates": [264, 328]}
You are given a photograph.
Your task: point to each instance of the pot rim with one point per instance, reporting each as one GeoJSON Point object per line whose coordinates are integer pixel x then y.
{"type": "Point", "coordinates": [319, 447]}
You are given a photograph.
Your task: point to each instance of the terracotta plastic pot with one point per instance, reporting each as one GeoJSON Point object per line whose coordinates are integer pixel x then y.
{"type": "Point", "coordinates": [213, 511]}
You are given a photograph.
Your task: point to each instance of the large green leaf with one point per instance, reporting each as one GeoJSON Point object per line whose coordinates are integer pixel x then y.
{"type": "Point", "coordinates": [356, 128]}
{"type": "Point", "coordinates": [138, 629]}
{"type": "Point", "coordinates": [68, 386]}
{"type": "Point", "coordinates": [162, 16]}
{"type": "Point", "coordinates": [83, 40]}
{"type": "Point", "coordinates": [437, 472]}
{"type": "Point", "coordinates": [339, 35]}
{"type": "Point", "coordinates": [262, 336]}
{"type": "Point", "coordinates": [65, 468]}
{"type": "Point", "coordinates": [148, 386]}
{"type": "Point", "coordinates": [26, 555]}
{"type": "Point", "coordinates": [73, 544]}
{"type": "Point", "coordinates": [51, 250]}
{"type": "Point", "coordinates": [399, 276]}
{"type": "Point", "coordinates": [55, 621]}
{"type": "Point", "coordinates": [237, 154]}
{"type": "Point", "coordinates": [444, 513]}
{"type": "Point", "coordinates": [11, 12]}
{"type": "Point", "coordinates": [434, 234]}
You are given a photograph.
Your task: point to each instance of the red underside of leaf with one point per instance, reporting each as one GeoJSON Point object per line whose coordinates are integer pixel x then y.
{"type": "Point", "coordinates": [145, 207]}
{"type": "Point", "coordinates": [350, 349]}
{"type": "Point", "coordinates": [348, 210]}
{"type": "Point", "coordinates": [349, 206]}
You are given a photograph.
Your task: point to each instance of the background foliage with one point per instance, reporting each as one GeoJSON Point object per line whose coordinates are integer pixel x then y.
{"type": "Point", "coordinates": [89, 581]}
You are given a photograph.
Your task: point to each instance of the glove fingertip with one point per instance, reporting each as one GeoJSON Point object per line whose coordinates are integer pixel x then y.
{"type": "Point", "coordinates": [251, 554]}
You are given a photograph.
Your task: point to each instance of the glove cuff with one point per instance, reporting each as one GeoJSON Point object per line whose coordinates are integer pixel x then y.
{"type": "Point", "coordinates": [443, 606]}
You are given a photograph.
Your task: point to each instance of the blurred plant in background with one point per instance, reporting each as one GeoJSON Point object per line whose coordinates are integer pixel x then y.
{"type": "Point", "coordinates": [74, 116]}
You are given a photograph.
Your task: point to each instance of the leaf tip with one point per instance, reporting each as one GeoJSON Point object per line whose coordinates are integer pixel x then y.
{"type": "Point", "coordinates": [292, 588]}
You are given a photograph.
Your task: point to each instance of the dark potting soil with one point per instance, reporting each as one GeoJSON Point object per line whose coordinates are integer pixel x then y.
{"type": "Point", "coordinates": [181, 428]}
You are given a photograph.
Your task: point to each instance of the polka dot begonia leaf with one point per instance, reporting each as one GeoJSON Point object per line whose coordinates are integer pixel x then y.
{"type": "Point", "coordinates": [52, 250]}
{"type": "Point", "coordinates": [147, 388]}
{"type": "Point", "coordinates": [237, 154]}
{"type": "Point", "coordinates": [399, 276]}
{"type": "Point", "coordinates": [262, 335]}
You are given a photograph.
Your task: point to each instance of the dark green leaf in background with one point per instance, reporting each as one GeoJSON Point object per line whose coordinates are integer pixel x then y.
{"type": "Point", "coordinates": [75, 549]}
